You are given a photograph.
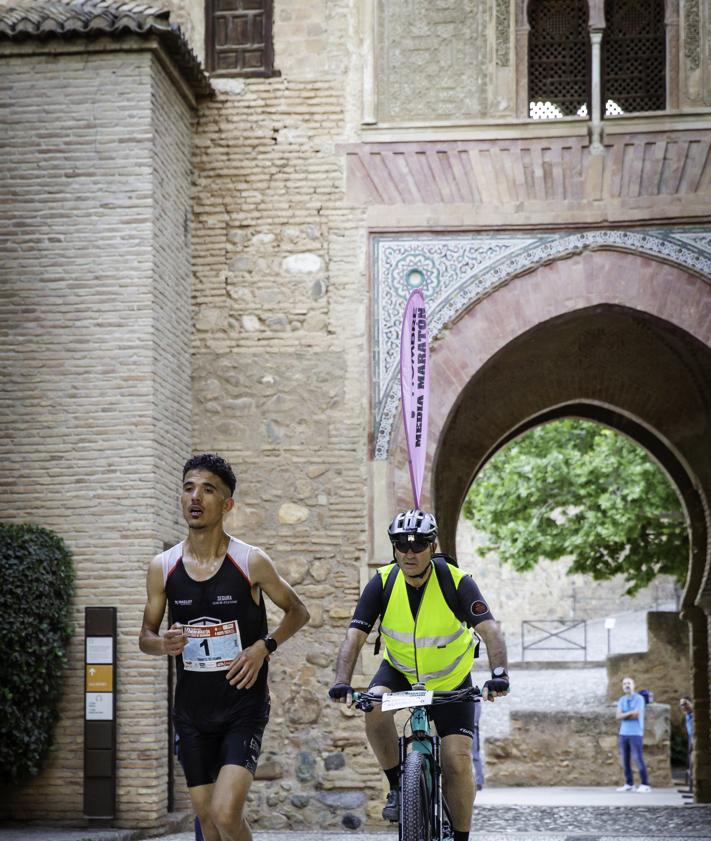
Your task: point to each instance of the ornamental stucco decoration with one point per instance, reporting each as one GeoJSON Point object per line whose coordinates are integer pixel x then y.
{"type": "Point", "coordinates": [455, 270]}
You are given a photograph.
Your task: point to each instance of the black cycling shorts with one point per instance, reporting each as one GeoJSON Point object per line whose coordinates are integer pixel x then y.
{"type": "Point", "coordinates": [455, 719]}
{"type": "Point", "coordinates": [203, 748]}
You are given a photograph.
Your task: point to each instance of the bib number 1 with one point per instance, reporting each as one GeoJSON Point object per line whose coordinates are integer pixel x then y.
{"type": "Point", "coordinates": [211, 648]}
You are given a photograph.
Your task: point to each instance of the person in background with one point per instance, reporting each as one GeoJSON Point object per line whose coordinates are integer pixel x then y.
{"type": "Point", "coordinates": [687, 707]}
{"type": "Point", "coordinates": [630, 714]}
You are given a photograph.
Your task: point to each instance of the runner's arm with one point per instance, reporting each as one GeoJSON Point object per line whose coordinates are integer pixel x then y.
{"type": "Point", "coordinates": [263, 574]}
{"type": "Point", "coordinates": [150, 640]}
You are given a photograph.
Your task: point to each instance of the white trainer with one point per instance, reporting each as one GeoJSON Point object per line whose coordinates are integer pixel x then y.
{"type": "Point", "coordinates": [643, 789]}
{"type": "Point", "coordinates": [625, 788]}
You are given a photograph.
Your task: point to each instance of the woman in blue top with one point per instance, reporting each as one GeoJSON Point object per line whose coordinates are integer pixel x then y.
{"type": "Point", "coordinates": [630, 714]}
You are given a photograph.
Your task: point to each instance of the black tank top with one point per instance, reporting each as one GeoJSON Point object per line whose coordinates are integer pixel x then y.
{"type": "Point", "coordinates": [207, 697]}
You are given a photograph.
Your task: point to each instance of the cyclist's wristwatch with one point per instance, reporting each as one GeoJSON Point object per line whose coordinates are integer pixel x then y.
{"type": "Point", "coordinates": [499, 672]}
{"type": "Point", "coordinates": [270, 643]}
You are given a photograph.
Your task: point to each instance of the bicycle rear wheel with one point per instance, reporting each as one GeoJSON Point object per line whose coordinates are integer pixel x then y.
{"type": "Point", "coordinates": [415, 823]}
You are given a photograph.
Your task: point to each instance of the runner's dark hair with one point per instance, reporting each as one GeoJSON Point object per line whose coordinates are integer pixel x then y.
{"type": "Point", "coordinates": [215, 464]}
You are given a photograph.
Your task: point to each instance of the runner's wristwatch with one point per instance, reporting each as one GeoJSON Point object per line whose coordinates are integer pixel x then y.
{"type": "Point", "coordinates": [270, 643]}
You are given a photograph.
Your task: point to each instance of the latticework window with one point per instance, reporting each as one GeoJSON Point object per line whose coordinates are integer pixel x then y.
{"type": "Point", "coordinates": [634, 56]}
{"type": "Point", "coordinates": [238, 37]}
{"type": "Point", "coordinates": [558, 48]}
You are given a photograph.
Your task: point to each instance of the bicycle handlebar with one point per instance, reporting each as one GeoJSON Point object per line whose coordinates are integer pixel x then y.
{"type": "Point", "coordinates": [364, 700]}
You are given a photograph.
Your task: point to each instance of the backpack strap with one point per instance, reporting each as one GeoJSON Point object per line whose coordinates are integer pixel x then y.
{"type": "Point", "coordinates": [446, 585]}
{"type": "Point", "coordinates": [384, 599]}
{"type": "Point", "coordinates": [449, 591]}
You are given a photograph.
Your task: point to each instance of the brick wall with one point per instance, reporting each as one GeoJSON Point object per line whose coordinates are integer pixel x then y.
{"type": "Point", "coordinates": [94, 405]}
{"type": "Point", "coordinates": [280, 385]}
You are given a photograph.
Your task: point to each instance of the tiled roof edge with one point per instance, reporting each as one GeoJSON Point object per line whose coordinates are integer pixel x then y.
{"type": "Point", "coordinates": [95, 18]}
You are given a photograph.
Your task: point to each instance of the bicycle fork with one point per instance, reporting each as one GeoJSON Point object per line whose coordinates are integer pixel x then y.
{"type": "Point", "coordinates": [429, 745]}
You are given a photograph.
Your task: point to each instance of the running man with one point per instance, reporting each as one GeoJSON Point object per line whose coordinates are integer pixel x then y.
{"type": "Point", "coordinates": [425, 642]}
{"type": "Point", "coordinates": [214, 585]}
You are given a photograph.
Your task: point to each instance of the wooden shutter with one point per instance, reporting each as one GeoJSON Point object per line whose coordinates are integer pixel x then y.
{"type": "Point", "coordinates": [238, 37]}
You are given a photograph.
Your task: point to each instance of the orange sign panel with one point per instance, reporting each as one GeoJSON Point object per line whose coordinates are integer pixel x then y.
{"type": "Point", "coordinates": [99, 678]}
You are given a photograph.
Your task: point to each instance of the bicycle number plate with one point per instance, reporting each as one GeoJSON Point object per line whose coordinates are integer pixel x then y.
{"type": "Point", "coordinates": [401, 700]}
{"type": "Point", "coordinates": [211, 648]}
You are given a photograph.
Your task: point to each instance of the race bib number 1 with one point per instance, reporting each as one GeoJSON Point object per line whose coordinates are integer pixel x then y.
{"type": "Point", "coordinates": [211, 648]}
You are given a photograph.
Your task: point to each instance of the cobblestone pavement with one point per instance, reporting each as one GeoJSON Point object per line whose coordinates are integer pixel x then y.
{"type": "Point", "coordinates": [528, 823]}
{"type": "Point", "coordinates": [549, 824]}
{"type": "Point", "coordinates": [491, 823]}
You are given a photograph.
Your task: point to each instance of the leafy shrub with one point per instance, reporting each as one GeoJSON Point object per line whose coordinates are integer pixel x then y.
{"type": "Point", "coordinates": [37, 586]}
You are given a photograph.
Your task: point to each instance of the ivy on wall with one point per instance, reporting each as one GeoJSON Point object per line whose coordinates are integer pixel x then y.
{"type": "Point", "coordinates": [37, 587]}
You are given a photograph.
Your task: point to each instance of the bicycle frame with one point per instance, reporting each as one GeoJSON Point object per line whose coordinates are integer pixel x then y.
{"type": "Point", "coordinates": [424, 742]}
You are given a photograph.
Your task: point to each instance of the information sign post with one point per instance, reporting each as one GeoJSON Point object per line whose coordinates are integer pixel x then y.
{"type": "Point", "coordinates": [100, 714]}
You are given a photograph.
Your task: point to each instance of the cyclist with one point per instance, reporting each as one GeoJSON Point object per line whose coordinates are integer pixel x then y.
{"type": "Point", "coordinates": [425, 642]}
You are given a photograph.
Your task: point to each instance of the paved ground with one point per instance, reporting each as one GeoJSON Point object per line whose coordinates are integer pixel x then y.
{"type": "Point", "coordinates": [530, 814]}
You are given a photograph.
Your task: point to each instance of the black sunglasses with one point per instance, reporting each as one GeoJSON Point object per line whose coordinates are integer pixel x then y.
{"type": "Point", "coordinates": [405, 545]}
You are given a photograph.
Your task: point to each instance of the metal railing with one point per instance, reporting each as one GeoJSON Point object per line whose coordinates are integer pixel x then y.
{"type": "Point", "coordinates": [556, 630]}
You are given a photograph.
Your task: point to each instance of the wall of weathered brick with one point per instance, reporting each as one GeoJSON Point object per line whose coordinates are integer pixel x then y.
{"type": "Point", "coordinates": [95, 396]}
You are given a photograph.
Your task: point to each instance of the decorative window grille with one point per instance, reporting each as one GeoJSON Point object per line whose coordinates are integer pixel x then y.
{"type": "Point", "coordinates": [634, 56]}
{"type": "Point", "coordinates": [238, 37]}
{"type": "Point", "coordinates": [558, 50]}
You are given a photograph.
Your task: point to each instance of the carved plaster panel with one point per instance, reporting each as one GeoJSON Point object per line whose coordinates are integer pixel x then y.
{"type": "Point", "coordinates": [503, 33]}
{"type": "Point", "coordinates": [456, 270]}
{"type": "Point", "coordinates": [432, 59]}
{"type": "Point", "coordinates": [692, 34]}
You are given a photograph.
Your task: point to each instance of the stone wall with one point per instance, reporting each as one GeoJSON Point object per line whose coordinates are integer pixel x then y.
{"type": "Point", "coordinates": [94, 346]}
{"type": "Point", "coordinates": [280, 388]}
{"type": "Point", "coordinates": [574, 749]}
{"type": "Point", "coordinates": [664, 668]}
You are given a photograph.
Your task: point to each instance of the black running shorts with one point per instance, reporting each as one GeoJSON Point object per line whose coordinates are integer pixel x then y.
{"type": "Point", "coordinates": [203, 748]}
{"type": "Point", "coordinates": [455, 719]}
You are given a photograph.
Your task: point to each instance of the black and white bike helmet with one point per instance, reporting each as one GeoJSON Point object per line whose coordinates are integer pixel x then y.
{"type": "Point", "coordinates": [414, 522]}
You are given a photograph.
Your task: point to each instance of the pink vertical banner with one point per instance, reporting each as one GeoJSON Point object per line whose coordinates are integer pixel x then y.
{"type": "Point", "coordinates": [415, 387]}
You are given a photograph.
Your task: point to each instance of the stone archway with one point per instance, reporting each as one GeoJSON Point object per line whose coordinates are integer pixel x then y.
{"type": "Point", "coordinates": [613, 336]}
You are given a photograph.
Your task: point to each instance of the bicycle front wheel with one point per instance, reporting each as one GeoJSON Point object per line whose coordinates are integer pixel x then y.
{"type": "Point", "coordinates": [415, 822]}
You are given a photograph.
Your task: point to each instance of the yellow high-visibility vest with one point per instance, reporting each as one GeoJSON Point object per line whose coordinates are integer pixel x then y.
{"type": "Point", "coordinates": [434, 648]}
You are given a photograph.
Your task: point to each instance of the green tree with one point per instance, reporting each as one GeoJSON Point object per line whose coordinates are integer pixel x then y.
{"type": "Point", "coordinates": [37, 586]}
{"type": "Point", "coordinates": [575, 488]}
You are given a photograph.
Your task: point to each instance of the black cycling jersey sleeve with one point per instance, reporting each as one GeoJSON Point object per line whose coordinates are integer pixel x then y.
{"type": "Point", "coordinates": [471, 602]}
{"type": "Point", "coordinates": [367, 610]}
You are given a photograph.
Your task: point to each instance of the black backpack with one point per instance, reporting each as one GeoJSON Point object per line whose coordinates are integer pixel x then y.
{"type": "Point", "coordinates": [446, 583]}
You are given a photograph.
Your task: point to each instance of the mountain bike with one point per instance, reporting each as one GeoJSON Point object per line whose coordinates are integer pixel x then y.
{"type": "Point", "coordinates": [424, 814]}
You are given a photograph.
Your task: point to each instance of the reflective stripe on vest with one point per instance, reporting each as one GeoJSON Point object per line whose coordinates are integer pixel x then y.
{"type": "Point", "coordinates": [435, 648]}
